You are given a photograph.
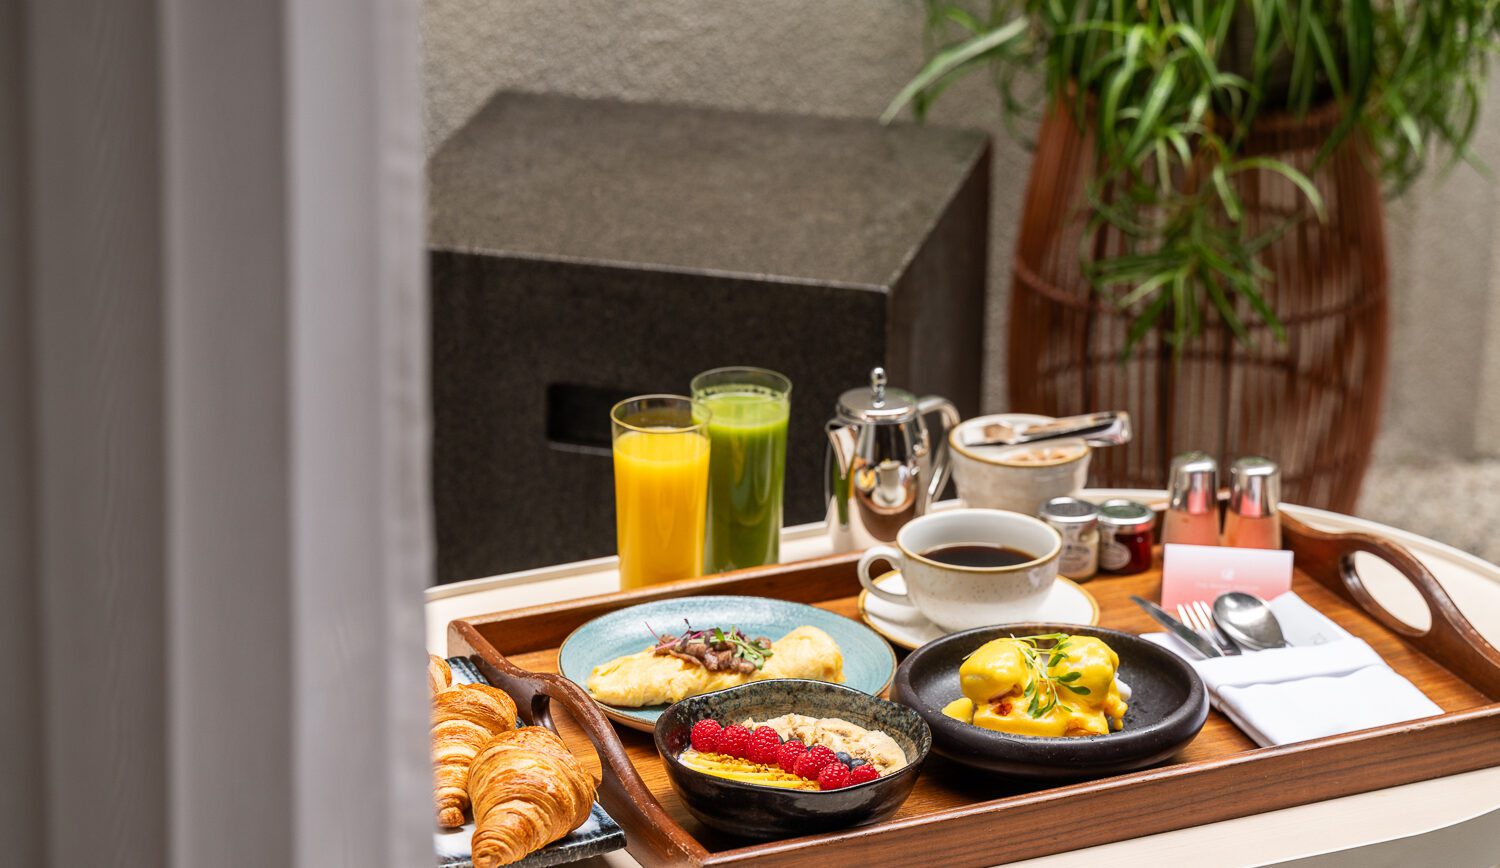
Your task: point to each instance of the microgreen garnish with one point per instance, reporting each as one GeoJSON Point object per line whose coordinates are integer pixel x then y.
{"type": "Point", "coordinates": [1042, 689]}
{"type": "Point", "coordinates": [756, 651]}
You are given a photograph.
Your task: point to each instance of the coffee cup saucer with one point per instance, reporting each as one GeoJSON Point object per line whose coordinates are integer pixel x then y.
{"type": "Point", "coordinates": [905, 627]}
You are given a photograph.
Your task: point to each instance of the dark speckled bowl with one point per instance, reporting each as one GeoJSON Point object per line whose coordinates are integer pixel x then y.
{"type": "Point", "coordinates": [753, 811]}
{"type": "Point", "coordinates": [1168, 706]}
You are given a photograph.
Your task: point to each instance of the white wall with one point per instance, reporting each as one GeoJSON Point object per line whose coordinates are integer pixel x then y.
{"type": "Point", "coordinates": [848, 57]}
{"type": "Point", "coordinates": [1444, 380]}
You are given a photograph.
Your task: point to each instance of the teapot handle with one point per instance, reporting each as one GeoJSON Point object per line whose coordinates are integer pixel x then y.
{"type": "Point", "coordinates": [838, 457]}
{"type": "Point", "coordinates": [940, 468]}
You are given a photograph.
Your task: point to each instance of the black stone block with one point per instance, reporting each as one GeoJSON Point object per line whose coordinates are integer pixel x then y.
{"type": "Point", "coordinates": [584, 251]}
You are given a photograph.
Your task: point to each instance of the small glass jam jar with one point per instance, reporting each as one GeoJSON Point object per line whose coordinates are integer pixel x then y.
{"type": "Point", "coordinates": [1125, 537]}
{"type": "Point", "coordinates": [1077, 521]}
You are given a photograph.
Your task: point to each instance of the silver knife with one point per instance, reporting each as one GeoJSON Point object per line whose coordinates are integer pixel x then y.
{"type": "Point", "coordinates": [1178, 629]}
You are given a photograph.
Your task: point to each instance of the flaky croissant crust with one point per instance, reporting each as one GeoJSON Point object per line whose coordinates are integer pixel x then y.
{"type": "Point", "coordinates": [439, 674]}
{"type": "Point", "coordinates": [464, 718]}
{"type": "Point", "coordinates": [528, 791]}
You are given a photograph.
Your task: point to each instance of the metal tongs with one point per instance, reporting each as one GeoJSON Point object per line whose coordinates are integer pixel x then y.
{"type": "Point", "coordinates": [1095, 429]}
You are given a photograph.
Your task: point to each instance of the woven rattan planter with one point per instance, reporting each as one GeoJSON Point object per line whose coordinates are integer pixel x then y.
{"type": "Point", "coordinates": [1312, 403]}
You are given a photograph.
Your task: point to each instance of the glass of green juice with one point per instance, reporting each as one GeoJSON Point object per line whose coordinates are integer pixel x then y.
{"type": "Point", "coordinates": [746, 465]}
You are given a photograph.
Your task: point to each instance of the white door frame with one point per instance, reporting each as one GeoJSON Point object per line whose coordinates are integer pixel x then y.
{"type": "Point", "coordinates": [213, 454]}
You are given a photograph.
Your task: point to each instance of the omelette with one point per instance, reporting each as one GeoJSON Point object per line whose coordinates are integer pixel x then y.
{"type": "Point", "coordinates": [646, 678]}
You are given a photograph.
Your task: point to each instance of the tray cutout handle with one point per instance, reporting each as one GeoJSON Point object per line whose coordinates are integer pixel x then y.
{"type": "Point", "coordinates": [651, 835]}
{"type": "Point", "coordinates": [1449, 639]}
{"type": "Point", "coordinates": [1356, 582]}
{"type": "Point", "coordinates": [526, 688]}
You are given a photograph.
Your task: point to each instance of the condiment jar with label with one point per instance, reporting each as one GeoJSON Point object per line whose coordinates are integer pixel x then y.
{"type": "Point", "coordinates": [1078, 522]}
{"type": "Point", "coordinates": [1125, 537]}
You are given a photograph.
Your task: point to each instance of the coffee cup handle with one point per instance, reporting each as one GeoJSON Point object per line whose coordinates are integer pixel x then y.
{"type": "Point", "coordinates": [881, 553]}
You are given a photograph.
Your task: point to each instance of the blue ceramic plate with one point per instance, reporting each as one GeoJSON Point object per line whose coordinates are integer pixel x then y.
{"type": "Point", "coordinates": [869, 663]}
{"type": "Point", "coordinates": [598, 835]}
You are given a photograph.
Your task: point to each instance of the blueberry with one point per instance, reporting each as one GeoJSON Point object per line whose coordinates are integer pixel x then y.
{"type": "Point", "coordinates": [843, 757]}
{"type": "Point", "coordinates": [856, 763]}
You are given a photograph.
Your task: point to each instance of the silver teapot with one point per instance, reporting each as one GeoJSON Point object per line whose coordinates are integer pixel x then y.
{"type": "Point", "coordinates": [882, 468]}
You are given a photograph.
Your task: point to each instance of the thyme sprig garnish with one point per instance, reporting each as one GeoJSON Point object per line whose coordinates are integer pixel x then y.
{"type": "Point", "coordinates": [1043, 688]}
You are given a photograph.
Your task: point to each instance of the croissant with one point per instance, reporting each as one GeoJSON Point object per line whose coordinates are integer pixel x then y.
{"type": "Point", "coordinates": [528, 790]}
{"type": "Point", "coordinates": [439, 674]}
{"type": "Point", "coordinates": [464, 717]}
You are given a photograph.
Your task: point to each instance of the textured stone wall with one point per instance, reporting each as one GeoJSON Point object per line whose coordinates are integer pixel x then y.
{"type": "Point", "coordinates": [848, 57]}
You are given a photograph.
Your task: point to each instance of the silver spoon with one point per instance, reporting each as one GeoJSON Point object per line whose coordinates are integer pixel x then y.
{"type": "Point", "coordinates": [1248, 620]}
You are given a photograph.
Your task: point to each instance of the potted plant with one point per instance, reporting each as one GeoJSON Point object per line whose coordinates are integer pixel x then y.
{"type": "Point", "coordinates": [1203, 240]}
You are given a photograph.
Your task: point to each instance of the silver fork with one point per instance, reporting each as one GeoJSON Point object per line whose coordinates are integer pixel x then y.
{"type": "Point", "coordinates": [1200, 619]}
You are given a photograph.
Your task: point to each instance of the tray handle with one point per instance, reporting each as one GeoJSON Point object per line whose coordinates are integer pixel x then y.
{"type": "Point", "coordinates": [1450, 639]}
{"type": "Point", "coordinates": [651, 834]}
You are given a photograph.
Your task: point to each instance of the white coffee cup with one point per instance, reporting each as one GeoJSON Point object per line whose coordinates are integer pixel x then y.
{"type": "Point", "coordinates": [959, 597]}
{"type": "Point", "coordinates": [1019, 478]}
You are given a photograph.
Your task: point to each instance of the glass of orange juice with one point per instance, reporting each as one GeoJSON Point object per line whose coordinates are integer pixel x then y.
{"type": "Point", "coordinates": [661, 487]}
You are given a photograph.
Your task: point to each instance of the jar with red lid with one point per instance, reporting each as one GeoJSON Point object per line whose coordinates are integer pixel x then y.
{"type": "Point", "coordinates": [1125, 537]}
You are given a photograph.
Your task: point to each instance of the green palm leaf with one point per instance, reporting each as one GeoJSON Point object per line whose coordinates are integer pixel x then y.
{"type": "Point", "coordinates": [951, 59]}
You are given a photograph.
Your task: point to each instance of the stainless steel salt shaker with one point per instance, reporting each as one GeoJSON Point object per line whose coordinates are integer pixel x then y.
{"type": "Point", "coordinates": [1193, 508]}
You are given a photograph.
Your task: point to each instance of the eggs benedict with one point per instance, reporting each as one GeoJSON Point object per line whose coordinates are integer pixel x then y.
{"type": "Point", "coordinates": [1049, 685]}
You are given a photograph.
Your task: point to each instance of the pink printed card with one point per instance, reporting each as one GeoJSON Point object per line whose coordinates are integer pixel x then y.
{"type": "Point", "coordinates": [1192, 573]}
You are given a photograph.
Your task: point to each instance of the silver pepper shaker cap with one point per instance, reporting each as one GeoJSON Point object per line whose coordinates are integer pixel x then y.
{"type": "Point", "coordinates": [1194, 483]}
{"type": "Point", "coordinates": [1254, 486]}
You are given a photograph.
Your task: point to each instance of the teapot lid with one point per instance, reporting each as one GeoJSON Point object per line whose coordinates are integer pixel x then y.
{"type": "Point", "coordinates": [877, 403]}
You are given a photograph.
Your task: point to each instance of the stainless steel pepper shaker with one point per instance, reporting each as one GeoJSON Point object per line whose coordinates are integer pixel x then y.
{"type": "Point", "coordinates": [1254, 517]}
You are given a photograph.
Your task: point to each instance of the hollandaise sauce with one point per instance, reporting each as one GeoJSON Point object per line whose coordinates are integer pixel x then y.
{"type": "Point", "coordinates": [1051, 685]}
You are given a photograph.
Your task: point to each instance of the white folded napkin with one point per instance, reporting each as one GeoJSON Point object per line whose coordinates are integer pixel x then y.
{"type": "Point", "coordinates": [1328, 682]}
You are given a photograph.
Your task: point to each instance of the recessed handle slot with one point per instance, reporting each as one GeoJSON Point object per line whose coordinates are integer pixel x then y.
{"type": "Point", "coordinates": [578, 416]}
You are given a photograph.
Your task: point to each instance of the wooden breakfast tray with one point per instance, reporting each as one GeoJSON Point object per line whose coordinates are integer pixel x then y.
{"type": "Point", "coordinates": [961, 817]}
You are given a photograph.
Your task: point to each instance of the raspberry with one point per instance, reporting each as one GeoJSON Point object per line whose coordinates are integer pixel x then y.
{"type": "Point", "coordinates": [833, 776]}
{"type": "Point", "coordinates": [734, 741]}
{"type": "Point", "coordinates": [705, 735]}
{"type": "Point", "coordinates": [862, 774]}
{"type": "Point", "coordinates": [788, 754]}
{"type": "Point", "coordinates": [823, 755]}
{"type": "Point", "coordinates": [817, 757]}
{"type": "Point", "coordinates": [764, 744]}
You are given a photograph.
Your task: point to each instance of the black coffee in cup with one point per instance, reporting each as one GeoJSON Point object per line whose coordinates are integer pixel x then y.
{"type": "Point", "coordinates": [981, 555]}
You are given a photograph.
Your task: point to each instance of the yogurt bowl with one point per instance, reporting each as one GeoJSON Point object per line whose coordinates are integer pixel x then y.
{"type": "Point", "coordinates": [1015, 478]}
{"type": "Point", "coordinates": [753, 811]}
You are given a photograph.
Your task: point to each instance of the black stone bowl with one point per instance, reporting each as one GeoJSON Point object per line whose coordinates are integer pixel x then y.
{"type": "Point", "coordinates": [1168, 706]}
{"type": "Point", "coordinates": [752, 811]}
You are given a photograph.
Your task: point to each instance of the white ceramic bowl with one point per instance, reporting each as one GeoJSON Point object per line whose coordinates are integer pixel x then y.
{"type": "Point", "coordinates": [995, 477]}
